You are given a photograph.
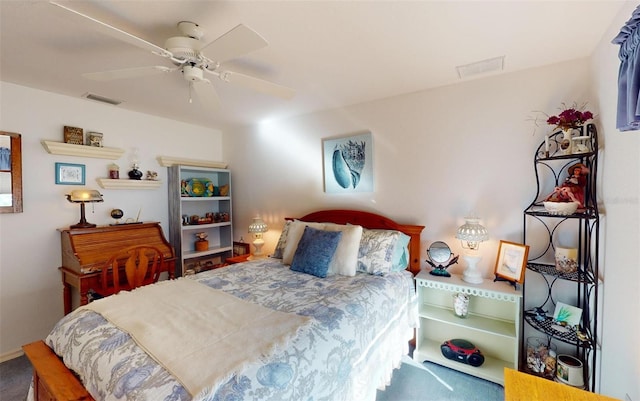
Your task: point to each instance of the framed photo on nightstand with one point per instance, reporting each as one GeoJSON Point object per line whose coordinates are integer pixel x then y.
{"type": "Point", "coordinates": [511, 261]}
{"type": "Point", "coordinates": [240, 248]}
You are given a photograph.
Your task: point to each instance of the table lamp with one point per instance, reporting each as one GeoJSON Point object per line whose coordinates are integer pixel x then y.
{"type": "Point", "coordinates": [471, 234]}
{"type": "Point", "coordinates": [257, 228]}
{"type": "Point", "coordinates": [83, 196]}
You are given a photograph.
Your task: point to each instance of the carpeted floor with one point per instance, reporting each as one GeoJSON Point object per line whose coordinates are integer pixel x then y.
{"type": "Point", "coordinates": [15, 377]}
{"type": "Point", "coordinates": [412, 382]}
{"type": "Point", "coordinates": [432, 382]}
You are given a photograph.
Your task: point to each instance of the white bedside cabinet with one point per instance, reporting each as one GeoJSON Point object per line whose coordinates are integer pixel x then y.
{"type": "Point", "coordinates": [492, 324]}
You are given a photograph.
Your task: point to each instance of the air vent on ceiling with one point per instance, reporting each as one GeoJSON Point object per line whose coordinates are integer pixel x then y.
{"type": "Point", "coordinates": [102, 99]}
{"type": "Point", "coordinates": [481, 67]}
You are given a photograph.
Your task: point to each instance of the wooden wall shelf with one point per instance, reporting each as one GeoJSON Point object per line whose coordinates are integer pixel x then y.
{"type": "Point", "coordinates": [108, 183]}
{"type": "Point", "coordinates": [168, 161]}
{"type": "Point", "coordinates": [68, 149]}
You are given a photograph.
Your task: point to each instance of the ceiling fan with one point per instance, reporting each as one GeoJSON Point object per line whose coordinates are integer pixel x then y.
{"type": "Point", "coordinates": [186, 52]}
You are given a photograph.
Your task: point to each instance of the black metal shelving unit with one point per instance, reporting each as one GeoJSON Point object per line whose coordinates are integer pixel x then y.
{"type": "Point", "coordinates": [539, 226]}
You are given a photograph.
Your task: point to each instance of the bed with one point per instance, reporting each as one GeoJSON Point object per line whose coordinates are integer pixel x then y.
{"type": "Point", "coordinates": [304, 336]}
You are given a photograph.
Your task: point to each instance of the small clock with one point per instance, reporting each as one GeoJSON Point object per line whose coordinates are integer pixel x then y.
{"type": "Point", "coordinates": [117, 215]}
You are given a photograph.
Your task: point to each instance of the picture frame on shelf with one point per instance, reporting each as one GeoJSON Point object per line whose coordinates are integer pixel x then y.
{"type": "Point", "coordinates": [240, 248]}
{"type": "Point", "coordinates": [94, 139]}
{"type": "Point", "coordinates": [70, 174]}
{"type": "Point", "coordinates": [73, 135]}
{"type": "Point", "coordinates": [568, 314]}
{"type": "Point", "coordinates": [511, 261]}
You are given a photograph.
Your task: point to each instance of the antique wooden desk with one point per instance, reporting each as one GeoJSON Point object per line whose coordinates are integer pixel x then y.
{"type": "Point", "coordinates": [84, 250]}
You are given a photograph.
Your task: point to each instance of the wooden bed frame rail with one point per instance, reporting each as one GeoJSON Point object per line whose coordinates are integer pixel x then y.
{"type": "Point", "coordinates": [52, 381]}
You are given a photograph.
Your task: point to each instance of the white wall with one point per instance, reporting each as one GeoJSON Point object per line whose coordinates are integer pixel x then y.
{"type": "Point", "coordinates": [30, 284]}
{"type": "Point", "coordinates": [620, 189]}
{"type": "Point", "coordinates": [440, 154]}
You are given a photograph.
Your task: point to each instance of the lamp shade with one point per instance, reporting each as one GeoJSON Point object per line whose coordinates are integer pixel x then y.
{"type": "Point", "coordinates": [84, 195]}
{"type": "Point", "coordinates": [258, 226]}
{"type": "Point", "coordinates": [472, 232]}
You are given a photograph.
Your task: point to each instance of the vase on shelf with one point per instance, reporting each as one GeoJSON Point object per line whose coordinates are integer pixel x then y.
{"type": "Point", "coordinates": [565, 143]}
{"type": "Point", "coordinates": [135, 173]}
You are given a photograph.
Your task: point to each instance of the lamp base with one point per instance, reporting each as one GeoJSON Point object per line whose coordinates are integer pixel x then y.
{"type": "Point", "coordinates": [257, 254]}
{"type": "Point", "coordinates": [83, 225]}
{"type": "Point", "coordinates": [83, 221]}
{"type": "Point", "coordinates": [471, 275]}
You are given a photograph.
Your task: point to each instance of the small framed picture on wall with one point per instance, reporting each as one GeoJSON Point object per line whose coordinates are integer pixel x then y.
{"type": "Point", "coordinates": [70, 174]}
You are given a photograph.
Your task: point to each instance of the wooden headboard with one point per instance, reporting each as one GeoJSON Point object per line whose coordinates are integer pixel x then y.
{"type": "Point", "coordinates": [373, 221]}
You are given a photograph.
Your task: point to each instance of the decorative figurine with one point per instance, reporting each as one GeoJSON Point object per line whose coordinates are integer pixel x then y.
{"type": "Point", "coordinates": [151, 175]}
{"type": "Point", "coordinates": [201, 243]}
{"type": "Point", "coordinates": [538, 313]}
{"type": "Point", "coordinates": [572, 189]}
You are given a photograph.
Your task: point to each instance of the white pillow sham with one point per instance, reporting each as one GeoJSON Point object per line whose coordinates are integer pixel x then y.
{"type": "Point", "coordinates": [345, 259]}
{"type": "Point", "coordinates": [296, 229]}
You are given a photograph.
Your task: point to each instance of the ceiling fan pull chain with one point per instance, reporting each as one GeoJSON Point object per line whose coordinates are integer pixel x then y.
{"type": "Point", "coordinates": [190, 92]}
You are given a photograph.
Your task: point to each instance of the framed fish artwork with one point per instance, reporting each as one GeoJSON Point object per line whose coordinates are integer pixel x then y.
{"type": "Point", "coordinates": [348, 163]}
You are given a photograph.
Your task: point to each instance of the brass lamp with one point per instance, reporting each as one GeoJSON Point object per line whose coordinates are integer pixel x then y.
{"type": "Point", "coordinates": [83, 196]}
{"type": "Point", "coordinates": [257, 228]}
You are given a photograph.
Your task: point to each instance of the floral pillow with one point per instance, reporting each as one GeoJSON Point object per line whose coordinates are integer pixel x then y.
{"type": "Point", "coordinates": [378, 253]}
{"type": "Point", "coordinates": [282, 241]}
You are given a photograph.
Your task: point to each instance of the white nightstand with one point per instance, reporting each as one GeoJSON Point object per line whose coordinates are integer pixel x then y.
{"type": "Point", "coordinates": [492, 325]}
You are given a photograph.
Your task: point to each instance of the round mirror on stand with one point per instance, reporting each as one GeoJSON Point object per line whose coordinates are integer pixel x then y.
{"type": "Point", "coordinates": [440, 254]}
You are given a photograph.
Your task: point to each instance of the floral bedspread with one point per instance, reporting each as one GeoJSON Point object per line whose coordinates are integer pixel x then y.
{"type": "Point", "coordinates": [359, 332]}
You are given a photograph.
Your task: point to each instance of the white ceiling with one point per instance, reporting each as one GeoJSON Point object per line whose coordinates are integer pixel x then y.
{"type": "Point", "coordinates": [333, 53]}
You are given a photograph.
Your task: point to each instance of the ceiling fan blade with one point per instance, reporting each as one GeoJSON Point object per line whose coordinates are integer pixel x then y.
{"type": "Point", "coordinates": [128, 73]}
{"type": "Point", "coordinates": [206, 94]}
{"type": "Point", "coordinates": [111, 30]}
{"type": "Point", "coordinates": [258, 84]}
{"type": "Point", "coordinates": [237, 42]}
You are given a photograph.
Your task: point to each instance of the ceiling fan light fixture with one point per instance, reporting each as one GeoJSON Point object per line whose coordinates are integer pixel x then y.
{"type": "Point", "coordinates": [191, 73]}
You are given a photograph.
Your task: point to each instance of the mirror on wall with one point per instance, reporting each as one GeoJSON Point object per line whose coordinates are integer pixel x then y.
{"type": "Point", "coordinates": [10, 172]}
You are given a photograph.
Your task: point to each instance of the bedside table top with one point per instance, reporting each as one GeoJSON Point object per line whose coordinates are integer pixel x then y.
{"type": "Point", "coordinates": [238, 259]}
{"type": "Point", "coordinates": [488, 288]}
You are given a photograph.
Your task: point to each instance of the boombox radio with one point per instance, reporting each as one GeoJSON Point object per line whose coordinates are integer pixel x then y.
{"type": "Point", "coordinates": [462, 351]}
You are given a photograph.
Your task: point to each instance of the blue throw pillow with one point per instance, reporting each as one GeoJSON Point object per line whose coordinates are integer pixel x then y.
{"type": "Point", "coordinates": [315, 251]}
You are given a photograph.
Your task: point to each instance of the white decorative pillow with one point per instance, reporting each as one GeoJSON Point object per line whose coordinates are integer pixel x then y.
{"type": "Point", "coordinates": [345, 259]}
{"type": "Point", "coordinates": [377, 249]}
{"type": "Point", "coordinates": [282, 241]}
{"type": "Point", "coordinates": [296, 229]}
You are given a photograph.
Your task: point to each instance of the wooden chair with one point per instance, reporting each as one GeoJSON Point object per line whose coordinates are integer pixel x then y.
{"type": "Point", "coordinates": [141, 265]}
